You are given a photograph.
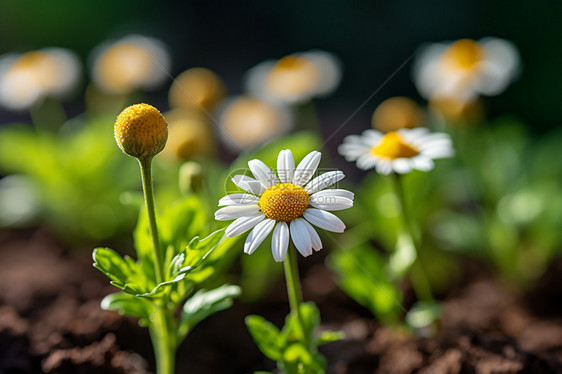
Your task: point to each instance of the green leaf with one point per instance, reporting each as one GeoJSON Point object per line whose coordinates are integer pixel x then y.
{"type": "Point", "coordinates": [267, 337]}
{"type": "Point", "coordinates": [329, 336]}
{"type": "Point", "coordinates": [128, 305]}
{"type": "Point", "coordinates": [113, 265]}
{"type": "Point", "coordinates": [204, 304]}
{"type": "Point", "coordinates": [298, 360]}
{"type": "Point", "coordinates": [361, 274]}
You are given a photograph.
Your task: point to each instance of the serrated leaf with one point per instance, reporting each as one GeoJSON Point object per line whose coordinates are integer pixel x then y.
{"type": "Point", "coordinates": [204, 304]}
{"type": "Point", "coordinates": [161, 288]}
{"type": "Point", "coordinates": [128, 305]}
{"type": "Point", "coordinates": [267, 337]}
{"type": "Point", "coordinates": [113, 265]}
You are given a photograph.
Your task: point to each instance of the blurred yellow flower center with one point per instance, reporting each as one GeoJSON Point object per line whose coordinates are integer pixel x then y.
{"type": "Point", "coordinates": [396, 113]}
{"type": "Point", "coordinates": [284, 202]}
{"type": "Point", "coordinates": [250, 121]}
{"type": "Point", "coordinates": [30, 60]}
{"type": "Point", "coordinates": [290, 63]}
{"type": "Point", "coordinates": [392, 146]}
{"type": "Point", "coordinates": [196, 88]}
{"type": "Point", "coordinates": [293, 75]}
{"type": "Point", "coordinates": [123, 66]}
{"type": "Point", "coordinates": [463, 54]}
{"type": "Point", "coordinates": [141, 131]}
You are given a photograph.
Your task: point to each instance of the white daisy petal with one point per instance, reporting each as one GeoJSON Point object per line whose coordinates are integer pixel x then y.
{"type": "Point", "coordinates": [239, 199]}
{"type": "Point", "coordinates": [243, 224]}
{"type": "Point", "coordinates": [352, 151]}
{"type": "Point", "coordinates": [331, 203]}
{"type": "Point", "coordinates": [366, 161]}
{"type": "Point", "coordinates": [263, 173]}
{"type": "Point", "coordinates": [258, 235]}
{"type": "Point", "coordinates": [323, 181]}
{"type": "Point", "coordinates": [402, 165]}
{"type": "Point", "coordinates": [324, 220]}
{"type": "Point", "coordinates": [333, 192]}
{"type": "Point", "coordinates": [384, 167]}
{"type": "Point", "coordinates": [422, 163]}
{"type": "Point", "coordinates": [371, 137]}
{"type": "Point", "coordinates": [314, 237]}
{"type": "Point", "coordinates": [280, 241]}
{"type": "Point", "coordinates": [301, 237]}
{"type": "Point", "coordinates": [248, 184]}
{"type": "Point", "coordinates": [306, 168]}
{"type": "Point", "coordinates": [285, 166]}
{"type": "Point", "coordinates": [235, 211]}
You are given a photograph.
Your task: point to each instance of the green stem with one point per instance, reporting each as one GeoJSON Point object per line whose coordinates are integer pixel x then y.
{"type": "Point", "coordinates": [294, 289]}
{"type": "Point", "coordinates": [420, 283]}
{"type": "Point", "coordinates": [163, 340]}
{"type": "Point", "coordinates": [146, 174]}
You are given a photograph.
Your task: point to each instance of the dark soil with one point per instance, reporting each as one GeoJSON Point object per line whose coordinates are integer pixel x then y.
{"type": "Point", "coordinates": [50, 321]}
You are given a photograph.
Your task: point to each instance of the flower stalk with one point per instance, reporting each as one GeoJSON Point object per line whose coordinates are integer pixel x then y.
{"type": "Point", "coordinates": [145, 164]}
{"type": "Point", "coordinates": [420, 282]}
{"type": "Point", "coordinates": [294, 289]}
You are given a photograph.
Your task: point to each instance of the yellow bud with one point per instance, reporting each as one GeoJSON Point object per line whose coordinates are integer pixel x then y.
{"type": "Point", "coordinates": [141, 131]}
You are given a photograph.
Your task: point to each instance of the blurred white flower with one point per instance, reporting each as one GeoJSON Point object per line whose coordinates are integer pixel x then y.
{"type": "Point", "coordinates": [196, 88]}
{"type": "Point", "coordinates": [26, 79]}
{"type": "Point", "coordinates": [465, 69]}
{"type": "Point", "coordinates": [246, 122]}
{"type": "Point", "coordinates": [296, 78]}
{"type": "Point", "coordinates": [396, 151]}
{"type": "Point", "coordinates": [133, 62]}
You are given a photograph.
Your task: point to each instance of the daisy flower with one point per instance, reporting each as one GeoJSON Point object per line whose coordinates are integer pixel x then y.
{"type": "Point", "coordinates": [196, 88]}
{"type": "Point", "coordinates": [397, 113]}
{"type": "Point", "coordinates": [296, 78]}
{"type": "Point", "coordinates": [133, 62]}
{"type": "Point", "coordinates": [246, 122]}
{"type": "Point", "coordinates": [287, 204]}
{"type": "Point", "coordinates": [465, 68]}
{"type": "Point", "coordinates": [398, 151]}
{"type": "Point", "coordinates": [28, 78]}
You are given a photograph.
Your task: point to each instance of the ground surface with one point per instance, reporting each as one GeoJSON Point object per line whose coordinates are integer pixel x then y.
{"type": "Point", "coordinates": [50, 321]}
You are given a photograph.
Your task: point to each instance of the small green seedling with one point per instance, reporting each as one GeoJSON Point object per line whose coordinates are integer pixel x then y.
{"type": "Point", "coordinates": [170, 269]}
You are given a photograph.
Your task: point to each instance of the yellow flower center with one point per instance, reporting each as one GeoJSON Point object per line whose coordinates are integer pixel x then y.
{"type": "Point", "coordinates": [463, 54]}
{"type": "Point", "coordinates": [124, 66]}
{"type": "Point", "coordinates": [293, 75]}
{"type": "Point", "coordinates": [396, 113]}
{"type": "Point", "coordinates": [141, 131]}
{"type": "Point", "coordinates": [392, 146]}
{"type": "Point", "coordinates": [284, 202]}
{"type": "Point", "coordinates": [291, 63]}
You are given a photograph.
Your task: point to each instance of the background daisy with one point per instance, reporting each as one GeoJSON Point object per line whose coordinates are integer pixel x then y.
{"type": "Point", "coordinates": [396, 151]}
{"type": "Point", "coordinates": [295, 78]}
{"type": "Point", "coordinates": [465, 69]}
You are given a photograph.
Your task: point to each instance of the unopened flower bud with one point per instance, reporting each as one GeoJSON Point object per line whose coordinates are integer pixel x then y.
{"type": "Point", "coordinates": [191, 177]}
{"type": "Point", "coordinates": [141, 131]}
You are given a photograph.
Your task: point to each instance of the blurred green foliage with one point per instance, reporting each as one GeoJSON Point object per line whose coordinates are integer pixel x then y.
{"type": "Point", "coordinates": [76, 175]}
